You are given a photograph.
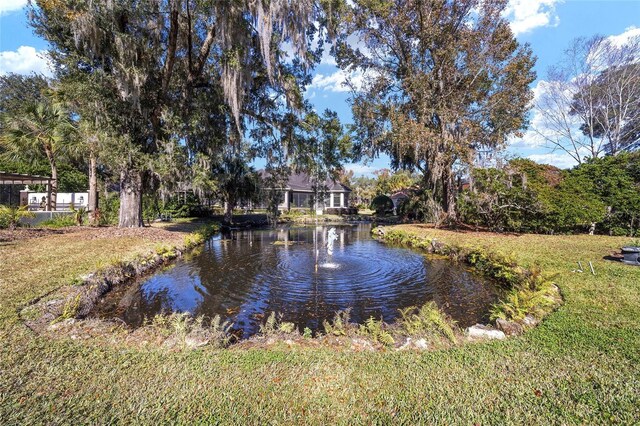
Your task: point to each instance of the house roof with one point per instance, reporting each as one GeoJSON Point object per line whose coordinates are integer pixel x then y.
{"type": "Point", "coordinates": [398, 195]}
{"type": "Point", "coordinates": [304, 182]}
{"type": "Point", "coordinates": [7, 178]}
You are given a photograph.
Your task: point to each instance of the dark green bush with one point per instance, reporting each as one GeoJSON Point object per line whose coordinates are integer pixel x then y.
{"type": "Point", "coordinates": [420, 206]}
{"type": "Point", "coordinates": [528, 197]}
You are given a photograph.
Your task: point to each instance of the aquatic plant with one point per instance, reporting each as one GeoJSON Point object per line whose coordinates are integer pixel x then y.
{"type": "Point", "coordinates": [200, 235]}
{"type": "Point", "coordinates": [190, 331]}
{"type": "Point", "coordinates": [536, 299]}
{"type": "Point", "coordinates": [427, 320]}
{"type": "Point", "coordinates": [524, 292]}
{"type": "Point", "coordinates": [340, 324]}
{"type": "Point", "coordinates": [274, 326]}
{"type": "Point", "coordinates": [375, 330]}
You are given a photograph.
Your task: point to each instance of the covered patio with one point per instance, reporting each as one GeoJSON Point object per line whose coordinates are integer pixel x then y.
{"type": "Point", "coordinates": [8, 181]}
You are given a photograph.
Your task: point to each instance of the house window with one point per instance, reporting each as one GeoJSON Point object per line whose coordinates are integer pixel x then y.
{"type": "Point", "coordinates": [300, 199]}
{"type": "Point", "coordinates": [336, 200]}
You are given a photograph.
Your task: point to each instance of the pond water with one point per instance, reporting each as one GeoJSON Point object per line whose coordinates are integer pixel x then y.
{"type": "Point", "coordinates": [245, 275]}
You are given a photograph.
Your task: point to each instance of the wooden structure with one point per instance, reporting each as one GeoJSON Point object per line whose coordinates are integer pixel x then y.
{"type": "Point", "coordinates": [12, 179]}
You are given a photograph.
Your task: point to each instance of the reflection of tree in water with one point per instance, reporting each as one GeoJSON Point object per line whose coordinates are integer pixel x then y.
{"type": "Point", "coordinates": [245, 276]}
{"type": "Point", "coordinates": [458, 292]}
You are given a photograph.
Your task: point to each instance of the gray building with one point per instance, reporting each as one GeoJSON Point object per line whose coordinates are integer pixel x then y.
{"type": "Point", "coordinates": [300, 192]}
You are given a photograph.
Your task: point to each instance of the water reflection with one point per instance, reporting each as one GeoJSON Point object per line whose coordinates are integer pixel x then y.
{"type": "Point", "coordinates": [244, 276]}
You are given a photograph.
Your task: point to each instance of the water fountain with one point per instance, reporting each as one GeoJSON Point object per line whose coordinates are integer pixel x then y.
{"type": "Point", "coordinates": [325, 271]}
{"type": "Point", "coordinates": [332, 235]}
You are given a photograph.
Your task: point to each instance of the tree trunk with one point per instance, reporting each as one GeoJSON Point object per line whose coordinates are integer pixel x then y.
{"type": "Point", "coordinates": [54, 184]}
{"type": "Point", "coordinates": [450, 198]}
{"type": "Point", "coordinates": [93, 190]}
{"type": "Point", "coordinates": [130, 199]}
{"type": "Point", "coordinates": [228, 212]}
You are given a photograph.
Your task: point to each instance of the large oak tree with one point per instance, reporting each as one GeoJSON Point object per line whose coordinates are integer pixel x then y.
{"type": "Point", "coordinates": [436, 80]}
{"type": "Point", "coordinates": [159, 58]}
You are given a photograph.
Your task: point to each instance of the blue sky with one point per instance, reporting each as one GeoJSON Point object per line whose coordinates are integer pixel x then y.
{"type": "Point", "coordinates": [547, 25]}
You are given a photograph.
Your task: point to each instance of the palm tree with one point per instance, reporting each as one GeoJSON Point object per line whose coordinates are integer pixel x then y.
{"type": "Point", "coordinates": [42, 128]}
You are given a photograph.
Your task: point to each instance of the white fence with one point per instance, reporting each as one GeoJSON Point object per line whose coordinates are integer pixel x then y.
{"type": "Point", "coordinates": [38, 200]}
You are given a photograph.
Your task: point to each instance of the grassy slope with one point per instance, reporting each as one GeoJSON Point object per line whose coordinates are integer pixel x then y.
{"type": "Point", "coordinates": [582, 365]}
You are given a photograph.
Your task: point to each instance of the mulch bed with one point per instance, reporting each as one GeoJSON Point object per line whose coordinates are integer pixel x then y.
{"type": "Point", "coordinates": [91, 233]}
{"type": "Point", "coordinates": [28, 233]}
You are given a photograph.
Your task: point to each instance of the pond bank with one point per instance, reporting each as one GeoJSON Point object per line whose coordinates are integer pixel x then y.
{"type": "Point", "coordinates": [77, 299]}
{"type": "Point", "coordinates": [579, 366]}
{"type": "Point", "coordinates": [66, 312]}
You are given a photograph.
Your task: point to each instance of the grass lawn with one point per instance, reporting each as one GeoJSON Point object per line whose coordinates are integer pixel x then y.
{"type": "Point", "coordinates": [580, 366]}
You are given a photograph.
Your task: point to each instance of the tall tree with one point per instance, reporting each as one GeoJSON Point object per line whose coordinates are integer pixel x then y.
{"type": "Point", "coordinates": [87, 98]}
{"type": "Point", "coordinates": [155, 56]}
{"type": "Point", "coordinates": [440, 79]}
{"type": "Point", "coordinates": [236, 181]}
{"type": "Point", "coordinates": [364, 190]}
{"type": "Point", "coordinates": [590, 104]}
{"type": "Point", "coordinates": [326, 147]}
{"type": "Point", "coordinates": [17, 91]}
{"type": "Point", "coordinates": [387, 182]}
{"type": "Point", "coordinates": [41, 129]}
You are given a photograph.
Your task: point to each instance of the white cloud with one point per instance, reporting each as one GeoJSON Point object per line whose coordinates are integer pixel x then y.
{"type": "Point", "coordinates": [361, 169]}
{"type": "Point", "coordinates": [7, 6]}
{"type": "Point", "coordinates": [526, 15]}
{"type": "Point", "coordinates": [333, 82]}
{"type": "Point", "coordinates": [25, 60]}
{"type": "Point", "coordinates": [624, 38]}
{"type": "Point", "coordinates": [337, 82]}
{"type": "Point", "coordinates": [561, 160]}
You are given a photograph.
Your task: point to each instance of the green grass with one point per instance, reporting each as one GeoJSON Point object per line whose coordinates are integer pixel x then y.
{"type": "Point", "coordinates": [580, 366]}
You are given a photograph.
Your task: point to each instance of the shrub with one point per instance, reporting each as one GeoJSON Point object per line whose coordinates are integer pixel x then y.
{"type": "Point", "coordinates": [375, 330]}
{"type": "Point", "coordinates": [427, 320]}
{"type": "Point", "coordinates": [341, 210]}
{"type": "Point", "coordinates": [10, 216]}
{"type": "Point", "coordinates": [421, 206]}
{"type": "Point", "coordinates": [525, 196]}
{"type": "Point", "coordinates": [60, 221]}
{"type": "Point", "coordinates": [109, 209]}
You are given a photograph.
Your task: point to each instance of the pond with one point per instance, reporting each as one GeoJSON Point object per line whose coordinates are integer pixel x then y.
{"type": "Point", "coordinates": [245, 275]}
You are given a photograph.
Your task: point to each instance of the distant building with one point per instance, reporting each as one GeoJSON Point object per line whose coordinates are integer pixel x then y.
{"type": "Point", "coordinates": [64, 200]}
{"type": "Point", "coordinates": [399, 197]}
{"type": "Point", "coordinates": [299, 193]}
